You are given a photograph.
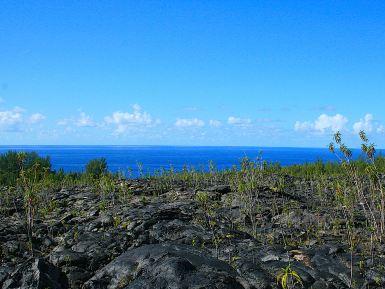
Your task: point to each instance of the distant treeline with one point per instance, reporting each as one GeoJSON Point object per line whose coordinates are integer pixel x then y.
{"type": "Point", "coordinates": [13, 164]}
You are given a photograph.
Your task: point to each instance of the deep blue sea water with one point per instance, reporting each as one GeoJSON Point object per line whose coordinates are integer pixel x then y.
{"type": "Point", "coordinates": [152, 158]}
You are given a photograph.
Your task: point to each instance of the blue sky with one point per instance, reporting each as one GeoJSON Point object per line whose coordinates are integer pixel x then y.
{"type": "Point", "coordinates": [263, 73]}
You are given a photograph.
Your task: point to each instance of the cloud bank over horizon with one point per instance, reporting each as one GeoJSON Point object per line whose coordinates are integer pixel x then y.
{"type": "Point", "coordinates": [138, 126]}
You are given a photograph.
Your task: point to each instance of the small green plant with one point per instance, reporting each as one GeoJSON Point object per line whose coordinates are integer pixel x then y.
{"type": "Point", "coordinates": [107, 187]}
{"type": "Point", "coordinates": [76, 233]}
{"type": "Point", "coordinates": [246, 183]}
{"type": "Point", "coordinates": [102, 205]}
{"type": "Point", "coordinates": [233, 261]}
{"type": "Point", "coordinates": [117, 221]}
{"type": "Point", "coordinates": [124, 192]}
{"type": "Point", "coordinates": [209, 218]}
{"type": "Point", "coordinates": [144, 200]}
{"type": "Point", "coordinates": [29, 181]}
{"type": "Point", "coordinates": [361, 191]}
{"type": "Point", "coordinates": [48, 208]}
{"type": "Point", "coordinates": [96, 167]}
{"type": "Point", "coordinates": [288, 278]}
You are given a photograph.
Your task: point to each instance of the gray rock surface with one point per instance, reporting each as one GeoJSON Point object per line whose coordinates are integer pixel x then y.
{"type": "Point", "coordinates": [167, 241]}
{"type": "Point", "coordinates": [165, 266]}
{"type": "Point", "coordinates": [36, 274]}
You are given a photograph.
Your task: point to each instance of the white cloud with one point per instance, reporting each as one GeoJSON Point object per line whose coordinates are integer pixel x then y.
{"type": "Point", "coordinates": [338, 122]}
{"type": "Point", "coordinates": [364, 124]}
{"type": "Point", "coordinates": [335, 123]}
{"type": "Point", "coordinates": [215, 123]}
{"type": "Point", "coordinates": [15, 119]}
{"type": "Point", "coordinates": [124, 121]}
{"type": "Point", "coordinates": [193, 122]}
{"type": "Point", "coordinates": [303, 126]}
{"type": "Point", "coordinates": [368, 124]}
{"type": "Point", "coordinates": [238, 121]}
{"type": "Point", "coordinates": [323, 123]}
{"type": "Point", "coordinates": [11, 119]}
{"type": "Point", "coordinates": [85, 121]}
{"type": "Point", "coordinates": [36, 117]}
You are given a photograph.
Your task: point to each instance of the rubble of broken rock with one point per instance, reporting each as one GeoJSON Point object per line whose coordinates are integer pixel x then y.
{"type": "Point", "coordinates": [163, 241]}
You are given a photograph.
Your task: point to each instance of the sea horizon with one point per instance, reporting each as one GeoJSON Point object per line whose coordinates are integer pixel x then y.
{"type": "Point", "coordinates": [176, 145]}
{"type": "Point", "coordinates": [150, 159]}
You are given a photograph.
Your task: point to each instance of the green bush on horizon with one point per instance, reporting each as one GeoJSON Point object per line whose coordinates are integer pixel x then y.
{"type": "Point", "coordinates": [11, 165]}
{"type": "Point", "coordinates": [96, 167]}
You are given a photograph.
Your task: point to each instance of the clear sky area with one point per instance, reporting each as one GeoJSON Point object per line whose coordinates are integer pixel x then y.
{"type": "Point", "coordinates": [259, 73]}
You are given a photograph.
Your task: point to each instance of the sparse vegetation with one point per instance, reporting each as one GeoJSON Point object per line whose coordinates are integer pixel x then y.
{"type": "Point", "coordinates": [12, 163]}
{"type": "Point", "coordinates": [96, 168]}
{"type": "Point", "coordinates": [294, 206]}
{"type": "Point", "coordinates": [288, 278]}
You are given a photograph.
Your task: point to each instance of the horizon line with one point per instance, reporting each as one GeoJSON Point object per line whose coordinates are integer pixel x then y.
{"type": "Point", "coordinates": [144, 145]}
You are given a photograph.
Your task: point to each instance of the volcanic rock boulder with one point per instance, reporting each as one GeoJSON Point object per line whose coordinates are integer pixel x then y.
{"type": "Point", "coordinates": [38, 274]}
{"type": "Point", "coordinates": [166, 266]}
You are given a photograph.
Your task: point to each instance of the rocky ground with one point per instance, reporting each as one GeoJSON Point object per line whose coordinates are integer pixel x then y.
{"type": "Point", "coordinates": [170, 241]}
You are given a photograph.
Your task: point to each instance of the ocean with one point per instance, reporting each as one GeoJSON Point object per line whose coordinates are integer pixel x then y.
{"type": "Point", "coordinates": [152, 158]}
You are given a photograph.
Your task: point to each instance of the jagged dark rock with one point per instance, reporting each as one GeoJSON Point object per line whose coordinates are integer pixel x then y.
{"type": "Point", "coordinates": [164, 241]}
{"type": "Point", "coordinates": [165, 266]}
{"type": "Point", "coordinates": [36, 274]}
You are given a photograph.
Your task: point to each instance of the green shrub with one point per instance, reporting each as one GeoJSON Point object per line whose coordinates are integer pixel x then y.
{"type": "Point", "coordinates": [96, 167]}
{"type": "Point", "coordinates": [11, 164]}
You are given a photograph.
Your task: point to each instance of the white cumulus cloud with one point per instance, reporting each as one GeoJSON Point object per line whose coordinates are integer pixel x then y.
{"type": "Point", "coordinates": [124, 121]}
{"type": "Point", "coordinates": [334, 123]}
{"type": "Point", "coordinates": [36, 117]}
{"type": "Point", "coordinates": [303, 126]}
{"type": "Point", "coordinates": [11, 119]}
{"type": "Point", "coordinates": [368, 124]}
{"type": "Point", "coordinates": [238, 121]}
{"type": "Point", "coordinates": [323, 123]}
{"type": "Point", "coordinates": [365, 124]}
{"type": "Point", "coordinates": [16, 119]}
{"type": "Point", "coordinates": [215, 123]}
{"type": "Point", "coordinates": [380, 129]}
{"type": "Point", "coordinates": [84, 120]}
{"type": "Point", "coordinates": [192, 122]}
